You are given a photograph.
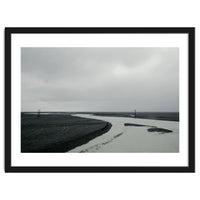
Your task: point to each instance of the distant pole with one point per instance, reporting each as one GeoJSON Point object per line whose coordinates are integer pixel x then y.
{"type": "Point", "coordinates": [135, 113]}
{"type": "Point", "coordinates": [38, 114]}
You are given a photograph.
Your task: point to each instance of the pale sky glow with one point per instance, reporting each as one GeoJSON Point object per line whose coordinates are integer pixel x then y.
{"type": "Point", "coordinates": [100, 79]}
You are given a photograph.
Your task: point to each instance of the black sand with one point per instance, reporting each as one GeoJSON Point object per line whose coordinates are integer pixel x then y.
{"type": "Point", "coordinates": [130, 124]}
{"type": "Point", "coordinates": [151, 129]}
{"type": "Point", "coordinates": [58, 133]}
{"type": "Point", "coordinates": [160, 130]}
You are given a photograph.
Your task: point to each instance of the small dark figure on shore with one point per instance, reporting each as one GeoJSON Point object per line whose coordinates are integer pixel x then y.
{"type": "Point", "coordinates": [38, 114]}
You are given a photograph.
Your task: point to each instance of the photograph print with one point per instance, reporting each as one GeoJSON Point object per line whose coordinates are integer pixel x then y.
{"type": "Point", "coordinates": [99, 99]}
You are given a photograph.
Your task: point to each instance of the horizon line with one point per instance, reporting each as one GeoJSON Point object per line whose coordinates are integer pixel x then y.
{"type": "Point", "coordinates": [96, 111]}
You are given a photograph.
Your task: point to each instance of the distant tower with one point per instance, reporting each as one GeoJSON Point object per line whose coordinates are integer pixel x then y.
{"type": "Point", "coordinates": [135, 113]}
{"type": "Point", "coordinates": [38, 114]}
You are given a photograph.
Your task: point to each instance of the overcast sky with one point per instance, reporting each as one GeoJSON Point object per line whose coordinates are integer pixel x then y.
{"type": "Point", "coordinates": [100, 79]}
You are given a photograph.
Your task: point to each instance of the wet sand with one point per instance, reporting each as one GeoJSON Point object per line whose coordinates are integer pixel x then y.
{"type": "Point", "coordinates": [132, 135]}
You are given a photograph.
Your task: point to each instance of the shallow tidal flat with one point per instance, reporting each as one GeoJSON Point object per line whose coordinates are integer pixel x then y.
{"type": "Point", "coordinates": [134, 135]}
{"type": "Point", "coordinates": [58, 132]}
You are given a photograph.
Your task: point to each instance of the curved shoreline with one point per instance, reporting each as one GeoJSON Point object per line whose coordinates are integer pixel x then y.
{"type": "Point", "coordinates": [58, 134]}
{"type": "Point", "coordinates": [131, 135]}
{"type": "Point", "coordinates": [86, 133]}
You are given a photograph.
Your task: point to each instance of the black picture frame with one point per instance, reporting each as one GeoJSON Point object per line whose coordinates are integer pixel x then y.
{"type": "Point", "coordinates": [102, 30]}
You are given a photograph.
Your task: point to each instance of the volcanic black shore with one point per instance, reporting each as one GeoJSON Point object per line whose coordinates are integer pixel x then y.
{"type": "Point", "coordinates": [58, 133]}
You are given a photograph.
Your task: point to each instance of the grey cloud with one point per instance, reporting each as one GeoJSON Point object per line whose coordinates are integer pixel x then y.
{"type": "Point", "coordinates": [100, 79]}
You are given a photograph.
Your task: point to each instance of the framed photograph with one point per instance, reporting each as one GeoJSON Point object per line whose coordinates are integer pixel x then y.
{"type": "Point", "coordinates": [100, 99]}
